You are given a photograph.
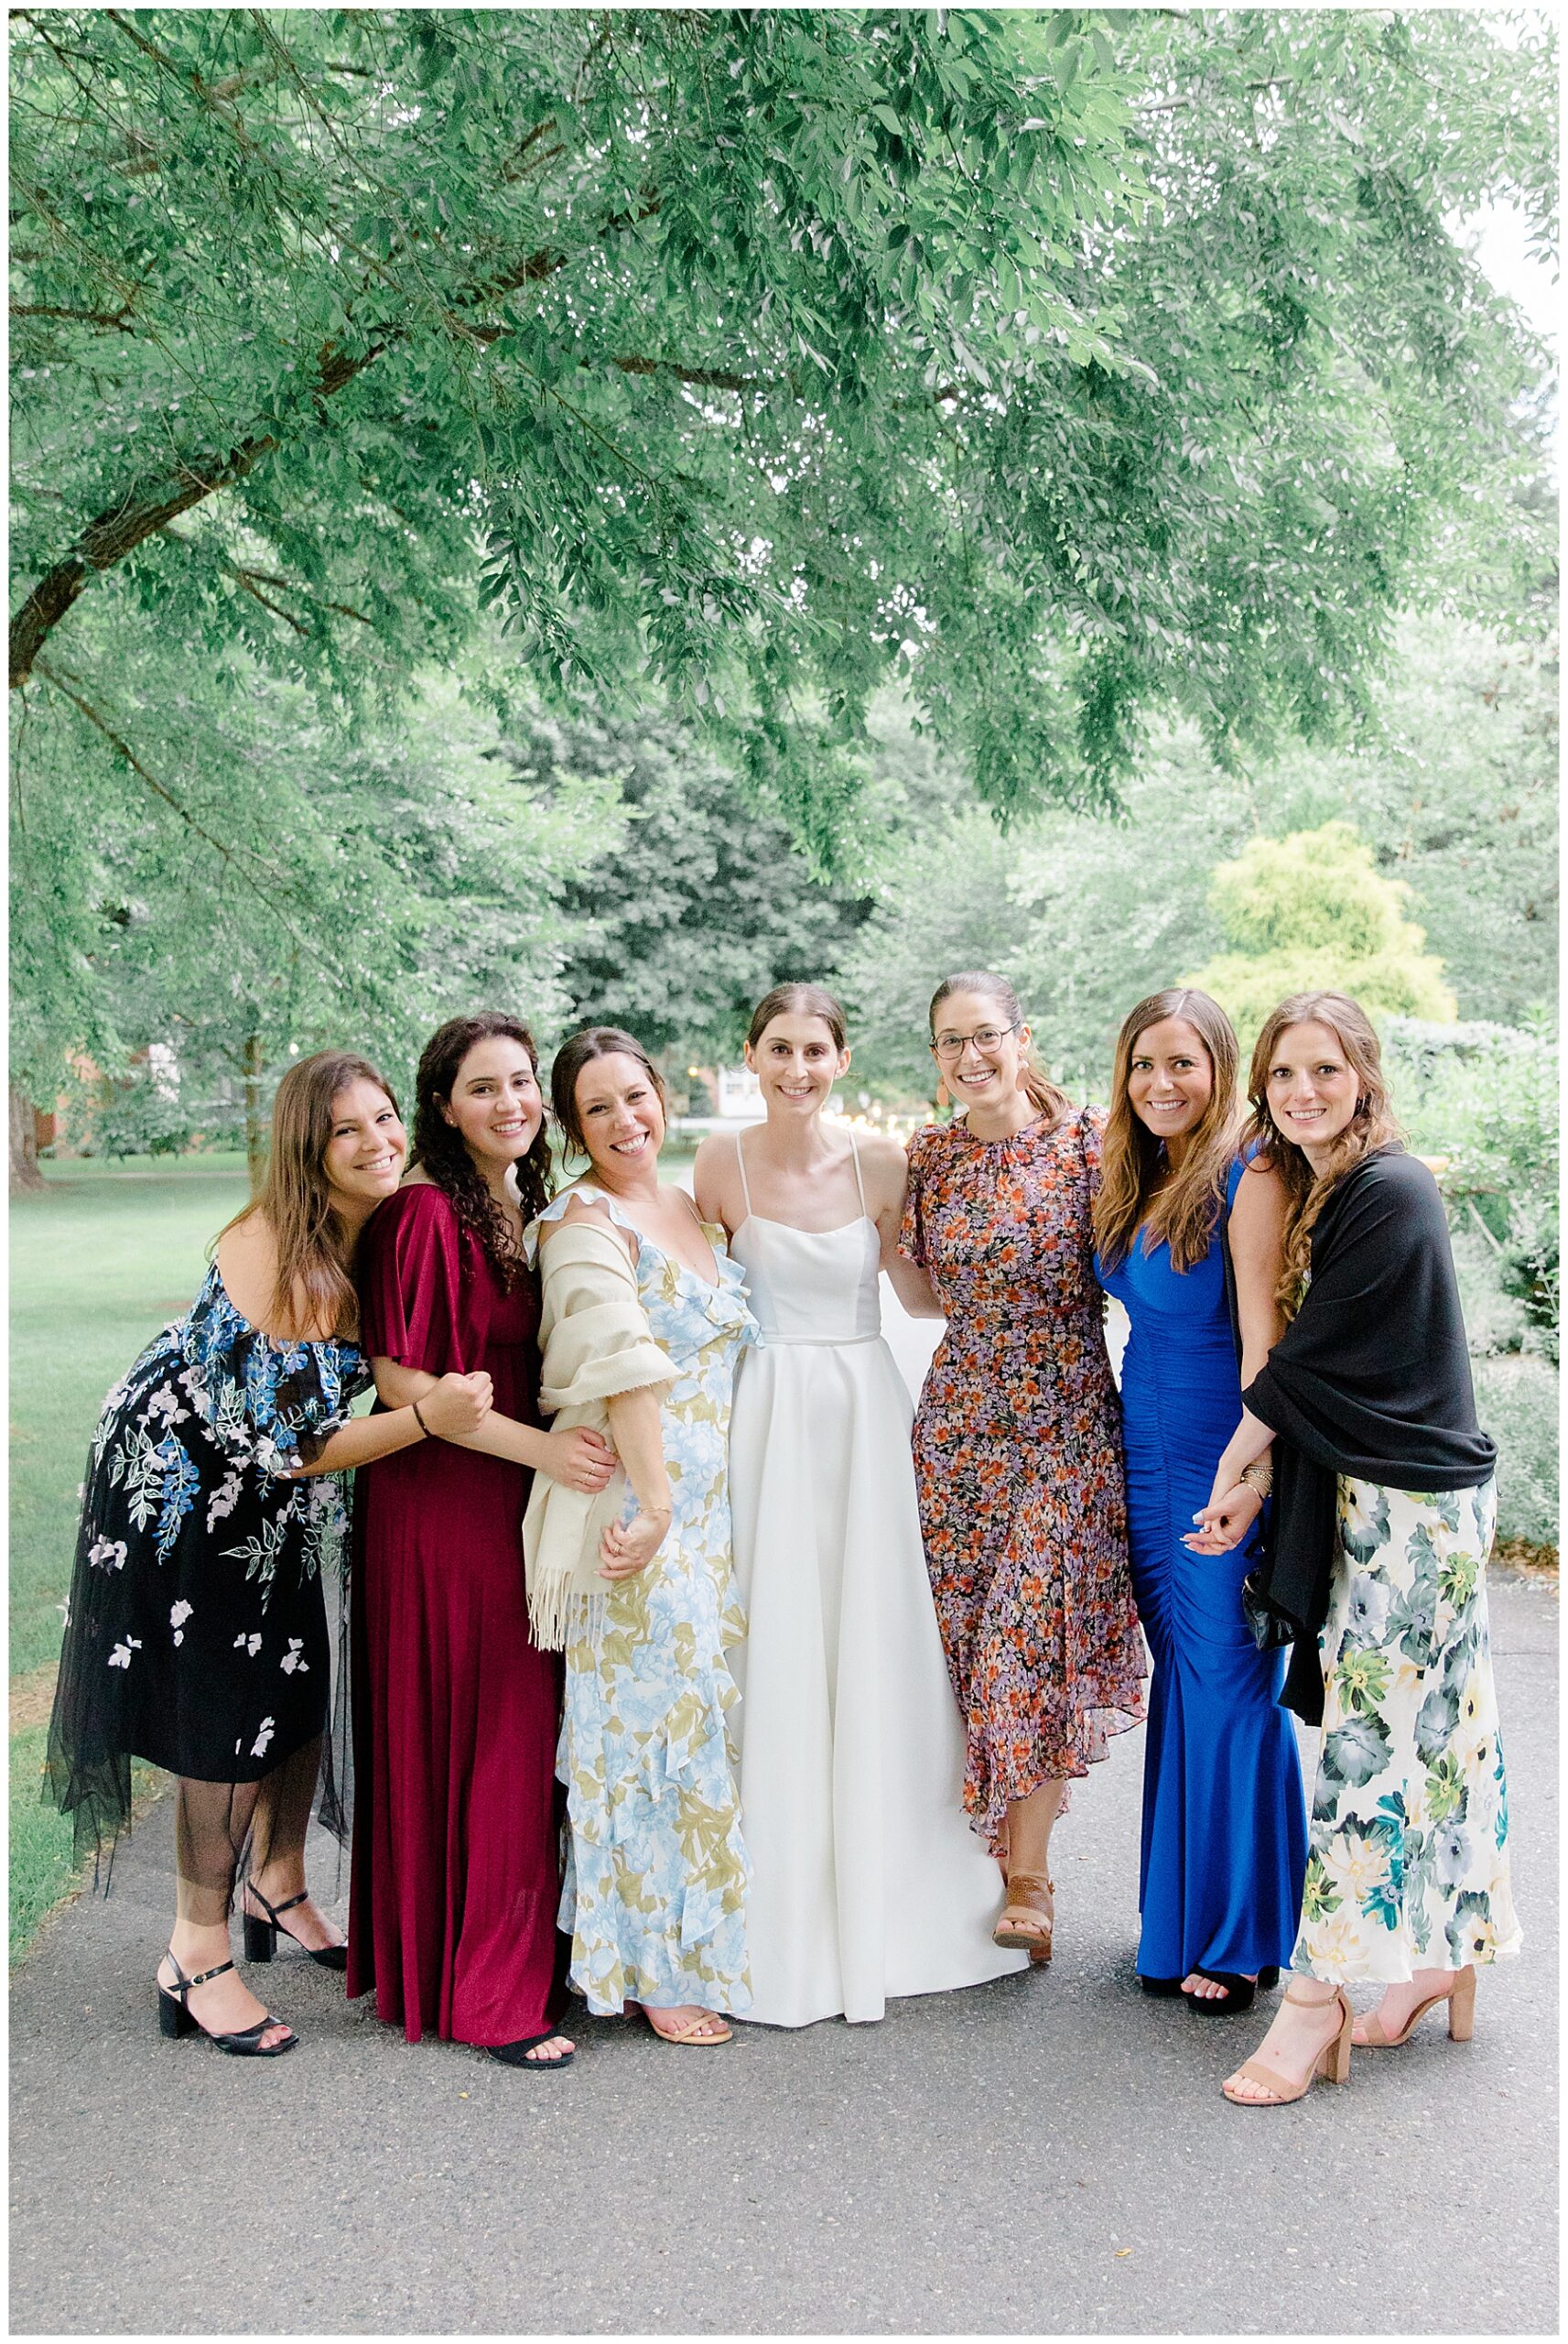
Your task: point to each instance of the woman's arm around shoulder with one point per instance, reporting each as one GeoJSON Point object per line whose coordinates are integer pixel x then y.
{"type": "Point", "coordinates": [715, 1184]}
{"type": "Point", "coordinates": [885, 1170]}
{"type": "Point", "coordinates": [1257, 1234]}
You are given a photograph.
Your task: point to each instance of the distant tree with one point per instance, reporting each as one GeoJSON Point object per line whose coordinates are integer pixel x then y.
{"type": "Point", "coordinates": [277, 885]}
{"type": "Point", "coordinates": [1310, 911]}
{"type": "Point", "coordinates": [694, 904]}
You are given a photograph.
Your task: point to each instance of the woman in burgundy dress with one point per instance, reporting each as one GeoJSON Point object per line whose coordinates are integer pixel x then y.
{"type": "Point", "coordinates": [1018, 1440]}
{"type": "Point", "coordinates": [455, 1862]}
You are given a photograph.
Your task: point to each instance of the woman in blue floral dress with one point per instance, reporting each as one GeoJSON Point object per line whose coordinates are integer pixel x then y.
{"type": "Point", "coordinates": [196, 1635]}
{"type": "Point", "coordinates": [1363, 1417]}
{"type": "Point", "coordinates": [644, 1324]}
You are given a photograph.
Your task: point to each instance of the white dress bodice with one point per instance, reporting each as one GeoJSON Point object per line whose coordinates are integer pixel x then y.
{"type": "Point", "coordinates": [810, 1286]}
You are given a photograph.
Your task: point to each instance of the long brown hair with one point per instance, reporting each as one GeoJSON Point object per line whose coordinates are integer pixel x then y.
{"type": "Point", "coordinates": [441, 1153]}
{"type": "Point", "coordinates": [798, 1001]}
{"type": "Point", "coordinates": [1184, 1213]}
{"type": "Point", "coordinates": [1042, 1093]}
{"type": "Point", "coordinates": [1372, 1125]}
{"type": "Point", "coordinates": [313, 1285]}
{"type": "Point", "coordinates": [579, 1050]}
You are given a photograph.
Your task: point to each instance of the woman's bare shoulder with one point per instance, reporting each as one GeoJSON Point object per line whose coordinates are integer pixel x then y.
{"type": "Point", "coordinates": [883, 1164]}
{"type": "Point", "coordinates": [1260, 1189]}
{"type": "Point", "coordinates": [246, 1257]}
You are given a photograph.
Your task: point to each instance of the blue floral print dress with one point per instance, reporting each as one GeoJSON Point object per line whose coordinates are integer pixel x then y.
{"type": "Point", "coordinates": [656, 1870]}
{"type": "Point", "coordinates": [196, 1633]}
{"type": "Point", "coordinates": [1408, 1862]}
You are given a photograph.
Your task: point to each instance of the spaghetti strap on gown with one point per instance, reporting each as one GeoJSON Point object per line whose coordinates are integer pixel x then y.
{"type": "Point", "coordinates": [868, 1880]}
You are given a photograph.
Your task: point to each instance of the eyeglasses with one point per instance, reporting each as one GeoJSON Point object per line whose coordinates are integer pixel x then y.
{"type": "Point", "coordinates": [988, 1040]}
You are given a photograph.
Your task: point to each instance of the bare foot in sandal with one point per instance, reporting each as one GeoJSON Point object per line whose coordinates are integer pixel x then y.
{"type": "Point", "coordinates": [688, 2022]}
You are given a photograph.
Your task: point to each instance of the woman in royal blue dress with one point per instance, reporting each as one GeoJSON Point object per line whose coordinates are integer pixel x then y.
{"type": "Point", "coordinates": [1223, 1823]}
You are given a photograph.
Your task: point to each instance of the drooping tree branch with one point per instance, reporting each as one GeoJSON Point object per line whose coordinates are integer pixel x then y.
{"type": "Point", "coordinates": [66, 685]}
{"type": "Point", "coordinates": [111, 536]}
{"type": "Point", "coordinates": [119, 320]}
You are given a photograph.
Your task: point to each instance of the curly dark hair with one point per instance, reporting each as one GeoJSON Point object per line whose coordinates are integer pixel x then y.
{"type": "Point", "coordinates": [440, 1149]}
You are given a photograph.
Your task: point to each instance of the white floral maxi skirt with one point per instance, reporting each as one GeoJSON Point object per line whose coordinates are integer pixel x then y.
{"type": "Point", "coordinates": [1407, 1865]}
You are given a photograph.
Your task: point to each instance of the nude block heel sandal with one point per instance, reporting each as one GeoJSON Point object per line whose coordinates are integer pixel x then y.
{"type": "Point", "coordinates": [1461, 2000]}
{"type": "Point", "coordinates": [1332, 2064]}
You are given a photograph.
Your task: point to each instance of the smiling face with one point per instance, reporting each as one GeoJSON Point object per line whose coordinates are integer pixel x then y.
{"type": "Point", "coordinates": [1311, 1088]}
{"type": "Point", "coordinates": [796, 1063]}
{"type": "Point", "coordinates": [1170, 1081]}
{"type": "Point", "coordinates": [622, 1120]}
{"type": "Point", "coordinates": [984, 1072]}
{"type": "Point", "coordinates": [364, 1153]}
{"type": "Point", "coordinates": [494, 1105]}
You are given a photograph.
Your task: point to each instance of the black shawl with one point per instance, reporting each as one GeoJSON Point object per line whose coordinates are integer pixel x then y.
{"type": "Point", "coordinates": [1371, 1379]}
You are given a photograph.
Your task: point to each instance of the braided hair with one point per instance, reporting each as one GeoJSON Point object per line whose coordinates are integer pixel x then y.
{"type": "Point", "coordinates": [442, 1155]}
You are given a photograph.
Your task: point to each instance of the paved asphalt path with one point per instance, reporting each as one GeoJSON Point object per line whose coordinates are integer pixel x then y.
{"type": "Point", "coordinates": [1048, 2154]}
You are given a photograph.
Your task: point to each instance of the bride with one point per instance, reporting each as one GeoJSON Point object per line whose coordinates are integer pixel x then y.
{"type": "Point", "coordinates": [868, 1880]}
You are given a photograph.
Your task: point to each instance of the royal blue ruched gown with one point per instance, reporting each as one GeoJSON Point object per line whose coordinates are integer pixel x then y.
{"type": "Point", "coordinates": [1224, 1819]}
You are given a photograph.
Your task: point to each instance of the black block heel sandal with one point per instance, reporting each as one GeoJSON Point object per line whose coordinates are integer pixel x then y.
{"type": "Point", "coordinates": [176, 2017]}
{"type": "Point", "coordinates": [1240, 1994]}
{"type": "Point", "coordinates": [262, 1936]}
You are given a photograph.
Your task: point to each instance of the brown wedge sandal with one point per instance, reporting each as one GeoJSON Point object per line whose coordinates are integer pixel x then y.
{"type": "Point", "coordinates": [1031, 1903]}
{"type": "Point", "coordinates": [1461, 2000]}
{"type": "Point", "coordinates": [1332, 2064]}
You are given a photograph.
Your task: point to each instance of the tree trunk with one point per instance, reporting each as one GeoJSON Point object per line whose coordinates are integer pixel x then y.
{"type": "Point", "coordinates": [24, 1173]}
{"type": "Point", "coordinates": [255, 1121]}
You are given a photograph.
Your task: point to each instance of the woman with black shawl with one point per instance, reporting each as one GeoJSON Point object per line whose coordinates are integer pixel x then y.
{"type": "Point", "coordinates": [1384, 1507]}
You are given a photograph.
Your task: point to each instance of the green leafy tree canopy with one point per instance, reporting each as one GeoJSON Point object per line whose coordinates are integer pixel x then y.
{"type": "Point", "coordinates": [1068, 364]}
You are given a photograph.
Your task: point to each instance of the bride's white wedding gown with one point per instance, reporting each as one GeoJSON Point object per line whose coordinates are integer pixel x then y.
{"type": "Point", "coordinates": [868, 1880]}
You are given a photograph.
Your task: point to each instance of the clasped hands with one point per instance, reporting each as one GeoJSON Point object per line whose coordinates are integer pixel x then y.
{"type": "Point", "coordinates": [1233, 1507]}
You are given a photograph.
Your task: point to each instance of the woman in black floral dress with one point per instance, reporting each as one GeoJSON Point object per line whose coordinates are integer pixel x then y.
{"type": "Point", "coordinates": [196, 1635]}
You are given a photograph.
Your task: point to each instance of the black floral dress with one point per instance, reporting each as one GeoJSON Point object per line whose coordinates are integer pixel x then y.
{"type": "Point", "coordinates": [196, 1633]}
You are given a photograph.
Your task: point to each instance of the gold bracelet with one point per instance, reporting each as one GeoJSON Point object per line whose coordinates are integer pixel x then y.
{"type": "Point", "coordinates": [1258, 1476]}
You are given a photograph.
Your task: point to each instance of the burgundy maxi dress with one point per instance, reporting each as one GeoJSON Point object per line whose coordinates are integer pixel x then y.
{"type": "Point", "coordinates": [456, 1847]}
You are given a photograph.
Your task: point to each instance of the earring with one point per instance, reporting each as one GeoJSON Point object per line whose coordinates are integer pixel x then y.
{"type": "Point", "coordinates": [943, 1096]}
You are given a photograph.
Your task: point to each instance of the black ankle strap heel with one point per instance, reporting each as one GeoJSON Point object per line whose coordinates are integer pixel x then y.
{"type": "Point", "coordinates": [176, 2017]}
{"type": "Point", "coordinates": [262, 1936]}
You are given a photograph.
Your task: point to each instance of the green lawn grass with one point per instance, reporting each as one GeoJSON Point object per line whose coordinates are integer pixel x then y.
{"type": "Point", "coordinates": [100, 1259]}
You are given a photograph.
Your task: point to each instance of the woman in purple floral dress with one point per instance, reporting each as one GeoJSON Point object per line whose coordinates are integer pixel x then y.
{"type": "Point", "coordinates": [1017, 1440]}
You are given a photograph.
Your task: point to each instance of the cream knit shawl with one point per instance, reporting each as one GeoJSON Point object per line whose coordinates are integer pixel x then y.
{"type": "Point", "coordinates": [594, 1335]}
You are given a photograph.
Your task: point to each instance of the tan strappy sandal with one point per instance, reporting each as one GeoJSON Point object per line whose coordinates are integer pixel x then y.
{"type": "Point", "coordinates": [1461, 2000]}
{"type": "Point", "coordinates": [1029, 1894]}
{"type": "Point", "coordinates": [689, 2032]}
{"type": "Point", "coordinates": [1333, 2062]}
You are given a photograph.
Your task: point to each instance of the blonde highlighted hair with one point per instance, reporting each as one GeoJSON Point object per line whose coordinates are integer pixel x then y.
{"type": "Point", "coordinates": [1041, 1092]}
{"type": "Point", "coordinates": [1184, 1214]}
{"type": "Point", "coordinates": [314, 1285]}
{"type": "Point", "coordinates": [1373, 1124]}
